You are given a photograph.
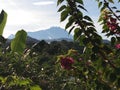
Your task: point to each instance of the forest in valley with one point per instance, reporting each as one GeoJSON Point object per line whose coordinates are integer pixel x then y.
{"type": "Point", "coordinates": [36, 69]}
{"type": "Point", "coordinates": [86, 63]}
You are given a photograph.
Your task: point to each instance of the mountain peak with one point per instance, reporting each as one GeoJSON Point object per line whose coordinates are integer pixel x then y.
{"type": "Point", "coordinates": [48, 34]}
{"type": "Point", "coordinates": [11, 36]}
{"type": "Point", "coordinates": [51, 33]}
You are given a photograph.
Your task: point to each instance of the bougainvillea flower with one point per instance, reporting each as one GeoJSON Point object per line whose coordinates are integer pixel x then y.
{"type": "Point", "coordinates": [113, 20]}
{"type": "Point", "coordinates": [118, 46]}
{"type": "Point", "coordinates": [108, 24]}
{"type": "Point", "coordinates": [113, 26]}
{"type": "Point", "coordinates": [67, 62]}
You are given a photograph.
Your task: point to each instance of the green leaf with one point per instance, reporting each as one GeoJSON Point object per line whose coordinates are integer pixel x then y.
{"type": "Point", "coordinates": [64, 15]}
{"type": "Point", "coordinates": [114, 7]}
{"type": "Point", "coordinates": [117, 11]}
{"type": "Point", "coordinates": [97, 41]}
{"type": "Point", "coordinates": [107, 49]}
{"type": "Point", "coordinates": [61, 8]}
{"type": "Point", "coordinates": [93, 57]}
{"type": "Point", "coordinates": [77, 33]}
{"type": "Point", "coordinates": [24, 82]}
{"type": "Point", "coordinates": [3, 19]}
{"type": "Point", "coordinates": [118, 38]}
{"type": "Point", "coordinates": [103, 8]}
{"type": "Point", "coordinates": [1, 79]}
{"type": "Point", "coordinates": [86, 41]}
{"type": "Point", "coordinates": [71, 29]}
{"type": "Point", "coordinates": [100, 18]}
{"type": "Point", "coordinates": [99, 4]}
{"type": "Point", "coordinates": [81, 40]}
{"type": "Point", "coordinates": [111, 1]}
{"type": "Point", "coordinates": [70, 22]}
{"type": "Point", "coordinates": [88, 23]}
{"type": "Point", "coordinates": [79, 1]}
{"type": "Point", "coordinates": [80, 15]}
{"type": "Point", "coordinates": [118, 82]}
{"type": "Point", "coordinates": [68, 25]}
{"type": "Point", "coordinates": [113, 40]}
{"type": "Point", "coordinates": [18, 43]}
{"type": "Point", "coordinates": [35, 87]}
{"type": "Point", "coordinates": [59, 2]}
{"type": "Point", "coordinates": [82, 7]}
{"type": "Point", "coordinates": [112, 77]}
{"type": "Point", "coordinates": [95, 49]}
{"type": "Point", "coordinates": [88, 18]}
{"type": "Point", "coordinates": [91, 30]}
{"type": "Point", "coordinates": [2, 40]}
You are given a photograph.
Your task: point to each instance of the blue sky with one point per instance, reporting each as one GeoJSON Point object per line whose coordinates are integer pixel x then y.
{"type": "Point", "coordinates": [34, 15]}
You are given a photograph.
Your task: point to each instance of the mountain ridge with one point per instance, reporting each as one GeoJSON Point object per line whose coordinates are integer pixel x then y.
{"type": "Point", "coordinates": [51, 33]}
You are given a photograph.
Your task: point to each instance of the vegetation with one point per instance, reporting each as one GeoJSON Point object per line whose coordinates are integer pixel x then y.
{"type": "Point", "coordinates": [86, 64]}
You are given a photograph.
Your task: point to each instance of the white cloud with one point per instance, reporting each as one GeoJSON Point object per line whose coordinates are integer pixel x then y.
{"type": "Point", "coordinates": [44, 3]}
{"type": "Point", "coordinates": [25, 15]}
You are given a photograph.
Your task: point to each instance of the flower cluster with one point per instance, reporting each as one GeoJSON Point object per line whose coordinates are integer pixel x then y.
{"type": "Point", "coordinates": [118, 46]}
{"type": "Point", "coordinates": [112, 24]}
{"type": "Point", "coordinates": [67, 62]}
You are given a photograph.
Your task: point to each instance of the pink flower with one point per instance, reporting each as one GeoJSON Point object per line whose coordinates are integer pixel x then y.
{"type": "Point", "coordinates": [118, 46]}
{"type": "Point", "coordinates": [113, 27]}
{"type": "Point", "coordinates": [113, 20]}
{"type": "Point", "coordinates": [108, 24]}
{"type": "Point", "coordinates": [66, 62]}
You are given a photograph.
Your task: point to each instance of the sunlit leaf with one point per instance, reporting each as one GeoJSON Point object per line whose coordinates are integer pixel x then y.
{"type": "Point", "coordinates": [3, 19]}
{"type": "Point", "coordinates": [23, 82]}
{"type": "Point", "coordinates": [19, 42]}
{"type": "Point", "coordinates": [35, 87]}
{"type": "Point", "coordinates": [1, 79]}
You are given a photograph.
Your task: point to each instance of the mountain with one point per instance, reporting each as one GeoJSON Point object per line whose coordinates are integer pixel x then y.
{"type": "Point", "coordinates": [11, 36]}
{"type": "Point", "coordinates": [52, 33]}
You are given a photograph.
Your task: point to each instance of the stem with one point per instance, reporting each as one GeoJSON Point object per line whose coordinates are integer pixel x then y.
{"type": "Point", "coordinates": [74, 8]}
{"type": "Point", "coordinates": [111, 10]}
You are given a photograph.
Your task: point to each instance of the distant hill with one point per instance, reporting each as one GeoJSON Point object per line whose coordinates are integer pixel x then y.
{"type": "Point", "coordinates": [52, 33]}
{"type": "Point", "coordinates": [49, 35]}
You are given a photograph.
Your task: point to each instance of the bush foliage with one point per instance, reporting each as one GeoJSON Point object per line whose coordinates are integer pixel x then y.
{"type": "Point", "coordinates": [86, 64]}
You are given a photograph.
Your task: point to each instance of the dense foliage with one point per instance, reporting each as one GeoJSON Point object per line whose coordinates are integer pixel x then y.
{"type": "Point", "coordinates": [86, 64]}
{"type": "Point", "coordinates": [99, 65]}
